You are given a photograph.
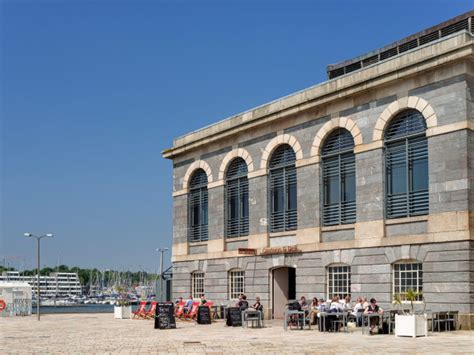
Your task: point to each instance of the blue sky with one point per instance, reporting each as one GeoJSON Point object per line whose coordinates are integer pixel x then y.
{"type": "Point", "coordinates": [93, 91]}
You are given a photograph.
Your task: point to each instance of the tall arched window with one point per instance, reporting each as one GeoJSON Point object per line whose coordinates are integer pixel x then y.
{"type": "Point", "coordinates": [237, 199]}
{"type": "Point", "coordinates": [197, 207]}
{"type": "Point", "coordinates": [406, 165]}
{"type": "Point", "coordinates": [339, 192]}
{"type": "Point", "coordinates": [282, 175]}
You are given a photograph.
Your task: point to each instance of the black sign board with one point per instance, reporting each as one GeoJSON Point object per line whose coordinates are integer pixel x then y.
{"type": "Point", "coordinates": [204, 315]}
{"type": "Point", "coordinates": [234, 317]}
{"type": "Point", "coordinates": [164, 318]}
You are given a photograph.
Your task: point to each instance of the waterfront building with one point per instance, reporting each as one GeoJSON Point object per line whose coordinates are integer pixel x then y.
{"type": "Point", "coordinates": [58, 284]}
{"type": "Point", "coordinates": [360, 185]}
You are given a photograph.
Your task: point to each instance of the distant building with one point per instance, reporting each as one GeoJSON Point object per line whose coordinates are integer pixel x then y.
{"type": "Point", "coordinates": [59, 284]}
{"type": "Point", "coordinates": [361, 185]}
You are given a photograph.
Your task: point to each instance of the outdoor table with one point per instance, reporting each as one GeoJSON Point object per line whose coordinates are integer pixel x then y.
{"type": "Point", "coordinates": [252, 313]}
{"type": "Point", "coordinates": [300, 316]}
{"type": "Point", "coordinates": [344, 315]}
{"type": "Point", "coordinates": [380, 316]}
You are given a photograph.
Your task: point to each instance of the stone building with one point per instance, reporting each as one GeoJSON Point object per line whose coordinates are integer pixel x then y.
{"type": "Point", "coordinates": [360, 185]}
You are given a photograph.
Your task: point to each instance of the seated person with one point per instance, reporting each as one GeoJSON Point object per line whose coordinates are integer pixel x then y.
{"type": "Point", "coordinates": [357, 311]}
{"type": "Point", "coordinates": [346, 303]}
{"type": "Point", "coordinates": [189, 304]}
{"type": "Point", "coordinates": [313, 310]}
{"type": "Point", "coordinates": [242, 304]}
{"type": "Point", "coordinates": [303, 303]}
{"type": "Point", "coordinates": [203, 300]}
{"type": "Point", "coordinates": [335, 306]}
{"type": "Point", "coordinates": [371, 309]}
{"type": "Point", "coordinates": [257, 305]}
{"type": "Point", "coordinates": [178, 301]}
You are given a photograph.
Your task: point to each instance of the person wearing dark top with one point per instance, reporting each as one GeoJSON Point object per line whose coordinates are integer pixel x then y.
{"type": "Point", "coordinates": [257, 305]}
{"type": "Point", "coordinates": [243, 304]}
{"type": "Point", "coordinates": [371, 309]}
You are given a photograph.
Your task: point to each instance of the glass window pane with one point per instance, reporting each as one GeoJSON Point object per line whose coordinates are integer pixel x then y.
{"type": "Point", "coordinates": [278, 199]}
{"type": "Point", "coordinates": [292, 197]}
{"type": "Point", "coordinates": [398, 178]}
{"type": "Point", "coordinates": [349, 187]}
{"type": "Point", "coordinates": [420, 175]}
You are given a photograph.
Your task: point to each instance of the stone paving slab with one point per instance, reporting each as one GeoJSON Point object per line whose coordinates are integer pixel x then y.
{"type": "Point", "coordinates": [102, 334]}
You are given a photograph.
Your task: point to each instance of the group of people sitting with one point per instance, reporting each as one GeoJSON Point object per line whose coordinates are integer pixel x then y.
{"type": "Point", "coordinates": [188, 305]}
{"type": "Point", "coordinates": [336, 305]}
{"type": "Point", "coordinates": [243, 303]}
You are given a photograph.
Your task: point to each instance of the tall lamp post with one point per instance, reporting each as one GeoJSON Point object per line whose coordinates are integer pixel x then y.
{"type": "Point", "coordinates": [38, 239]}
{"type": "Point", "coordinates": [161, 251]}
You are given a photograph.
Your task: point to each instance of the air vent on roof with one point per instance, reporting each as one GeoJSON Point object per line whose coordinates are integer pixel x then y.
{"type": "Point", "coordinates": [371, 60]}
{"type": "Point", "coordinates": [459, 23]}
{"type": "Point", "coordinates": [408, 45]}
{"type": "Point", "coordinates": [430, 37]}
{"type": "Point", "coordinates": [337, 72]}
{"type": "Point", "coordinates": [353, 67]}
{"type": "Point", "coordinates": [455, 27]}
{"type": "Point", "coordinates": [388, 53]}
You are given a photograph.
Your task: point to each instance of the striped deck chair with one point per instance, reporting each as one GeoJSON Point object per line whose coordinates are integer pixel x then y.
{"type": "Point", "coordinates": [194, 311]}
{"type": "Point", "coordinates": [152, 311]}
{"type": "Point", "coordinates": [141, 311]}
{"type": "Point", "coordinates": [179, 311]}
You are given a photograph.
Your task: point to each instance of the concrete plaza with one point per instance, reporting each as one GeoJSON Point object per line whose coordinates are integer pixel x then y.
{"type": "Point", "coordinates": [101, 333]}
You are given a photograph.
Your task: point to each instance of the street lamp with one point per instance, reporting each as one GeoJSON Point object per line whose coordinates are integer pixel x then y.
{"type": "Point", "coordinates": [38, 239]}
{"type": "Point", "coordinates": [161, 251]}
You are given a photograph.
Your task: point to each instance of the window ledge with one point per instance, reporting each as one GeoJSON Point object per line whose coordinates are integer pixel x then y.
{"type": "Point", "coordinates": [236, 239]}
{"type": "Point", "coordinates": [406, 220]}
{"type": "Point", "coordinates": [196, 244]}
{"type": "Point", "coordinates": [339, 227]}
{"type": "Point", "coordinates": [282, 234]}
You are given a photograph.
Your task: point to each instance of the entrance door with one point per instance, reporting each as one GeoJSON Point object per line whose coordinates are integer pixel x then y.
{"type": "Point", "coordinates": [283, 290]}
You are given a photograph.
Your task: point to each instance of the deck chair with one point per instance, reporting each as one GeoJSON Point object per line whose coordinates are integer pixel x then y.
{"type": "Point", "coordinates": [194, 310]}
{"type": "Point", "coordinates": [179, 311]}
{"type": "Point", "coordinates": [141, 311]}
{"type": "Point", "coordinates": [152, 311]}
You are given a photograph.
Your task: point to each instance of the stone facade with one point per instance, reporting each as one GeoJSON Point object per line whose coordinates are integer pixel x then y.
{"type": "Point", "coordinates": [437, 80]}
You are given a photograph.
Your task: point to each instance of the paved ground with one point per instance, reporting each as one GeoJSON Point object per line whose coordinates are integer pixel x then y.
{"type": "Point", "coordinates": [101, 333]}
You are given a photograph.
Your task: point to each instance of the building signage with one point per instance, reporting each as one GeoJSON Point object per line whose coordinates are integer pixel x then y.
{"type": "Point", "coordinates": [247, 251]}
{"type": "Point", "coordinates": [280, 250]}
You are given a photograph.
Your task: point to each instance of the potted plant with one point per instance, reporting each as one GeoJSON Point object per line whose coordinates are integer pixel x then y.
{"type": "Point", "coordinates": [410, 324]}
{"type": "Point", "coordinates": [122, 308]}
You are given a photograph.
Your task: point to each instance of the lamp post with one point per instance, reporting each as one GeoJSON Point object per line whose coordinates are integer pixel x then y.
{"type": "Point", "coordinates": [38, 239]}
{"type": "Point", "coordinates": [161, 251]}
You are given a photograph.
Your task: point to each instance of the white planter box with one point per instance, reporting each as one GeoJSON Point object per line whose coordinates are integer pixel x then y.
{"type": "Point", "coordinates": [123, 312]}
{"type": "Point", "coordinates": [411, 325]}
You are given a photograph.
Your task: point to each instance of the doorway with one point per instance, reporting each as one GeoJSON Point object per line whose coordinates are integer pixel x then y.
{"type": "Point", "coordinates": [283, 289]}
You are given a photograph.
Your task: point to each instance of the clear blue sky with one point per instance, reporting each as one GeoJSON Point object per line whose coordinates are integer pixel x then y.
{"type": "Point", "coordinates": [93, 91]}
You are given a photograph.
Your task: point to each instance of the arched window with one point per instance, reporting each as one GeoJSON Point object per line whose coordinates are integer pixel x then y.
{"type": "Point", "coordinates": [237, 199]}
{"type": "Point", "coordinates": [282, 175]}
{"type": "Point", "coordinates": [339, 192]}
{"type": "Point", "coordinates": [236, 284]}
{"type": "Point", "coordinates": [406, 165]}
{"type": "Point", "coordinates": [338, 281]}
{"type": "Point", "coordinates": [197, 284]}
{"type": "Point", "coordinates": [407, 275]}
{"type": "Point", "coordinates": [197, 207]}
